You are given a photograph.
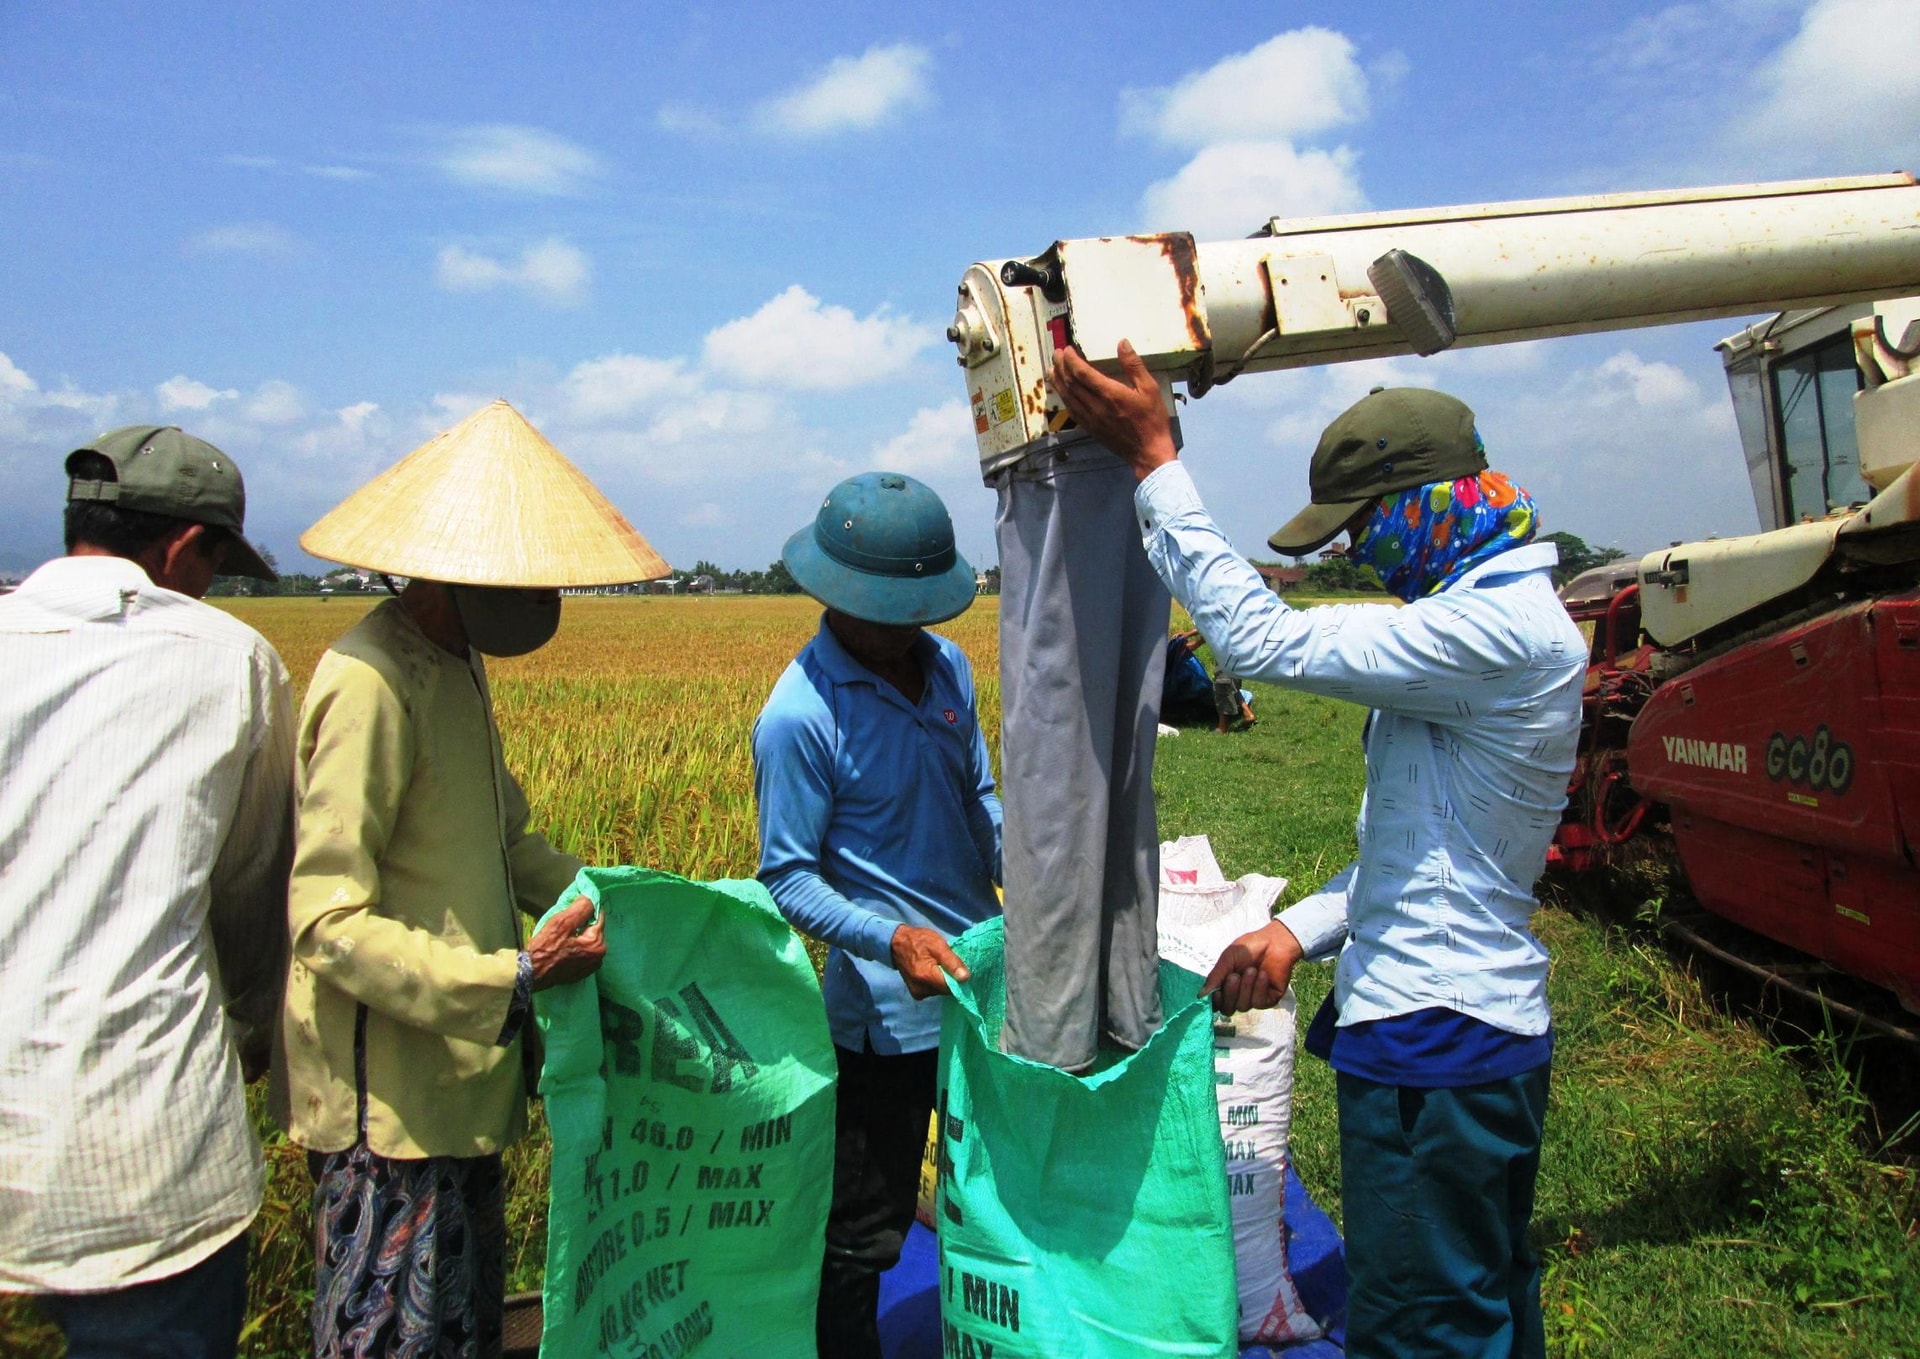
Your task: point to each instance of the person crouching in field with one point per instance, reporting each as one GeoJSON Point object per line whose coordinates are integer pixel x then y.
{"type": "Point", "coordinates": [147, 740]}
{"type": "Point", "coordinates": [1437, 1026]}
{"type": "Point", "coordinates": [880, 836]}
{"type": "Point", "coordinates": [406, 1024]}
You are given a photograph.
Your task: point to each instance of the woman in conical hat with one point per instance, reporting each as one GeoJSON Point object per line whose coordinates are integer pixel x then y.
{"type": "Point", "coordinates": [406, 1012]}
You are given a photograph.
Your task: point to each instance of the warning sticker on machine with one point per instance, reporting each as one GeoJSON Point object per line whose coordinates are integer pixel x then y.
{"type": "Point", "coordinates": [1004, 405]}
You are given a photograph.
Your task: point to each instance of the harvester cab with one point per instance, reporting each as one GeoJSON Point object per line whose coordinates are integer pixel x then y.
{"type": "Point", "coordinates": [1828, 408]}
{"type": "Point", "coordinates": [1755, 701]}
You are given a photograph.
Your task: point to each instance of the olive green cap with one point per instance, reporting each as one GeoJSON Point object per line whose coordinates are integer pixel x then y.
{"type": "Point", "coordinates": [1391, 439]}
{"type": "Point", "coordinates": [159, 469]}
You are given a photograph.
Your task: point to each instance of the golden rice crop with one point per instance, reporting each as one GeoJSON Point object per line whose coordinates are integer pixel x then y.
{"type": "Point", "coordinates": [629, 731]}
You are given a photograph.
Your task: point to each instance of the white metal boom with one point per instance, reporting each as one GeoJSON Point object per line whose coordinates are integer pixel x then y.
{"type": "Point", "coordinates": [1332, 289]}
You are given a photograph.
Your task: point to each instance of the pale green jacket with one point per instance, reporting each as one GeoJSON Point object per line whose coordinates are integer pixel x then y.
{"type": "Point", "coordinates": [411, 855]}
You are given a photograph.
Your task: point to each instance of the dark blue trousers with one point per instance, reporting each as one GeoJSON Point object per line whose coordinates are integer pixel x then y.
{"type": "Point", "coordinates": [1436, 1193]}
{"type": "Point", "coordinates": [191, 1315]}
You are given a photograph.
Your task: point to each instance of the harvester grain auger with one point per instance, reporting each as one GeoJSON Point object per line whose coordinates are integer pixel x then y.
{"type": "Point", "coordinates": [1760, 695]}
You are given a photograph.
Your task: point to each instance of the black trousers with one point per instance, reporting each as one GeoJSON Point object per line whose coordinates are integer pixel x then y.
{"type": "Point", "coordinates": [195, 1314]}
{"type": "Point", "coordinates": [880, 1135]}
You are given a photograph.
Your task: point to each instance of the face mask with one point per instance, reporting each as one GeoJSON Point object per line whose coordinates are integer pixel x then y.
{"type": "Point", "coordinates": [506, 622]}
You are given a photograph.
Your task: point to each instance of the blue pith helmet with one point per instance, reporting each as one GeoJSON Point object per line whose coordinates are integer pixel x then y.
{"type": "Point", "coordinates": [881, 549]}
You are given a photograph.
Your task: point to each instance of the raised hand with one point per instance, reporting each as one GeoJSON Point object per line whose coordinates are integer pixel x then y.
{"type": "Point", "coordinates": [1129, 416]}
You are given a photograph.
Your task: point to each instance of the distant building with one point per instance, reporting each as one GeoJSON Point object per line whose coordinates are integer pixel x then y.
{"type": "Point", "coordinates": [1281, 579]}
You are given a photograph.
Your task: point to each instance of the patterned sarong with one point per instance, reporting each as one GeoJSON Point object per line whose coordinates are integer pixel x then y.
{"type": "Point", "coordinates": [410, 1256]}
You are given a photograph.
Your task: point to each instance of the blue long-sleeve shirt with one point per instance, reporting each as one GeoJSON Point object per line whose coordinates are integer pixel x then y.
{"type": "Point", "coordinates": [874, 813]}
{"type": "Point", "coordinates": [1476, 694]}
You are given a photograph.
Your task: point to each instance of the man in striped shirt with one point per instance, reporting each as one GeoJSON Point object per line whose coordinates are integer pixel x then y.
{"type": "Point", "coordinates": [145, 835]}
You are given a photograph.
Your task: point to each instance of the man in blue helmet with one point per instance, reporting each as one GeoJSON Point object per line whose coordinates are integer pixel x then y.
{"type": "Point", "coordinates": [880, 836]}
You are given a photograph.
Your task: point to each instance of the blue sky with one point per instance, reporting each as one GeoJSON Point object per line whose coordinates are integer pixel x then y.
{"type": "Point", "coordinates": [710, 249]}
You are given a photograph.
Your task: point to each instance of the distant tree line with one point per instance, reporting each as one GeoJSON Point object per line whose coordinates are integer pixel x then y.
{"type": "Point", "coordinates": [703, 576]}
{"type": "Point", "coordinates": [775, 580]}
{"type": "Point", "coordinates": [1576, 556]}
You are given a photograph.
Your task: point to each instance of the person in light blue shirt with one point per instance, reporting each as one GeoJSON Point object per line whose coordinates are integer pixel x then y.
{"type": "Point", "coordinates": [880, 837]}
{"type": "Point", "coordinates": [1438, 1025]}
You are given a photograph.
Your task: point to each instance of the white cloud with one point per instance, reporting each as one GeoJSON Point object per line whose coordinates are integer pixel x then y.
{"type": "Point", "coordinates": [24, 399]}
{"type": "Point", "coordinates": [796, 342]}
{"type": "Point", "coordinates": [1627, 376]}
{"type": "Point", "coordinates": [356, 416]}
{"type": "Point", "coordinates": [275, 402]}
{"type": "Point", "coordinates": [939, 439]}
{"type": "Point", "coordinates": [342, 172]}
{"type": "Point", "coordinates": [263, 240]}
{"type": "Point", "coordinates": [519, 159]}
{"type": "Point", "coordinates": [1292, 85]}
{"type": "Point", "coordinates": [706, 416]}
{"type": "Point", "coordinates": [15, 385]}
{"type": "Point", "coordinates": [556, 270]}
{"type": "Point", "coordinates": [552, 271]}
{"type": "Point", "coordinates": [1844, 87]}
{"type": "Point", "coordinates": [1243, 117]}
{"type": "Point", "coordinates": [853, 94]}
{"type": "Point", "coordinates": [456, 406]}
{"type": "Point", "coordinates": [461, 270]}
{"type": "Point", "coordinates": [707, 514]}
{"type": "Point", "coordinates": [1232, 188]}
{"type": "Point", "coordinates": [619, 385]}
{"type": "Point", "coordinates": [182, 393]}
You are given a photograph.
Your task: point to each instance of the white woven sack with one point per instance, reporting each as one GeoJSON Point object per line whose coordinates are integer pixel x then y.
{"type": "Point", "coordinates": [1253, 1082]}
{"type": "Point", "coordinates": [1200, 911]}
{"type": "Point", "coordinates": [1200, 914]}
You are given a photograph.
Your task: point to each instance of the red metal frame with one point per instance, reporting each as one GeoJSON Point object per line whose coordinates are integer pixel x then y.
{"type": "Point", "coordinates": [1788, 769]}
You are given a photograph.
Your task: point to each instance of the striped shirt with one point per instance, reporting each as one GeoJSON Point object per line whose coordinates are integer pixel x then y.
{"type": "Point", "coordinates": [147, 740]}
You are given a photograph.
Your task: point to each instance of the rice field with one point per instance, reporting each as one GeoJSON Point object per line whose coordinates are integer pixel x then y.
{"type": "Point", "coordinates": [628, 731]}
{"type": "Point", "coordinates": [1703, 1193]}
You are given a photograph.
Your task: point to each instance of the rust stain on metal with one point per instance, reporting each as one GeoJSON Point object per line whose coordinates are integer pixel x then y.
{"type": "Point", "coordinates": [1178, 247]}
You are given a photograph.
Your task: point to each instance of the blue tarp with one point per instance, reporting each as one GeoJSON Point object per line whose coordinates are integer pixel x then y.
{"type": "Point", "coordinates": [910, 1297]}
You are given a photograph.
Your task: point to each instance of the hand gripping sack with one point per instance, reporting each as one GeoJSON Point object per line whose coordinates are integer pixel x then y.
{"type": "Point", "coordinates": [1080, 1217]}
{"type": "Point", "coordinates": [689, 1088]}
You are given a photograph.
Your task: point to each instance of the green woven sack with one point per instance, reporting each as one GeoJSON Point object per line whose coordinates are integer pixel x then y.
{"type": "Point", "coordinates": [1081, 1217]}
{"type": "Point", "coordinates": [689, 1087]}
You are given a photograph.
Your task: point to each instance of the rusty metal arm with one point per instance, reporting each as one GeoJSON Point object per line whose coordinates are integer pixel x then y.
{"type": "Point", "coordinates": [1301, 293]}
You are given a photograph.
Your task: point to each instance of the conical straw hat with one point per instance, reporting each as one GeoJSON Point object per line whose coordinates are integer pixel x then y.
{"type": "Point", "coordinates": [488, 502]}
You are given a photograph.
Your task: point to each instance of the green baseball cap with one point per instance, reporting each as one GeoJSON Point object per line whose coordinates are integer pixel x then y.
{"type": "Point", "coordinates": [159, 469]}
{"type": "Point", "coordinates": [1391, 439]}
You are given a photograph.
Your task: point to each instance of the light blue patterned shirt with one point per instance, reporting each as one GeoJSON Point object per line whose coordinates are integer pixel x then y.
{"type": "Point", "coordinates": [874, 813]}
{"type": "Point", "coordinates": [1476, 699]}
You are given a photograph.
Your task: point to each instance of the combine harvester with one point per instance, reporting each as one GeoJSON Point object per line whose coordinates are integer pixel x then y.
{"type": "Point", "coordinates": [1757, 697]}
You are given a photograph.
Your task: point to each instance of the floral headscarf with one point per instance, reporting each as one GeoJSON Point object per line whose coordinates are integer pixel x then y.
{"type": "Point", "coordinates": [1421, 540]}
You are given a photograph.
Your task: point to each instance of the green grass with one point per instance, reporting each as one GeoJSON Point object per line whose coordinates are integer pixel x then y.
{"type": "Point", "coordinates": [1703, 1192]}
